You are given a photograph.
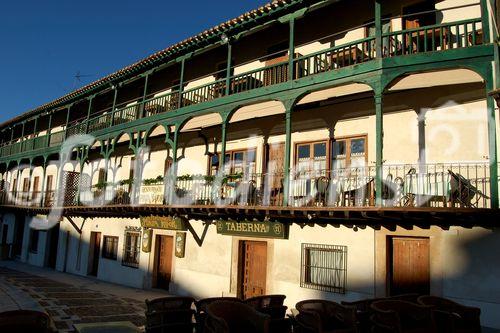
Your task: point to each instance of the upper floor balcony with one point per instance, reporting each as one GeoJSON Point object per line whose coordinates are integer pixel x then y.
{"type": "Point", "coordinates": [401, 39]}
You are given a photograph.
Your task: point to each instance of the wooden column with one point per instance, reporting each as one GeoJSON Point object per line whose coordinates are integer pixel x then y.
{"type": "Point", "coordinates": [181, 82]}
{"type": "Point", "coordinates": [379, 147]}
{"type": "Point", "coordinates": [173, 169]}
{"type": "Point", "coordinates": [44, 175]}
{"type": "Point", "coordinates": [288, 153]}
{"type": "Point", "coordinates": [291, 48]}
{"type": "Point", "coordinates": [115, 96]}
{"type": "Point", "coordinates": [492, 145]}
{"type": "Point", "coordinates": [142, 111]}
{"type": "Point", "coordinates": [378, 29]}
{"type": "Point", "coordinates": [228, 68]}
{"type": "Point", "coordinates": [223, 139]}
{"type": "Point", "coordinates": [485, 20]}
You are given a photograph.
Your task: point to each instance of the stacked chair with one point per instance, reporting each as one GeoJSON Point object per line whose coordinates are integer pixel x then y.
{"type": "Point", "coordinates": [395, 316]}
{"type": "Point", "coordinates": [408, 313]}
{"type": "Point", "coordinates": [235, 317]}
{"type": "Point", "coordinates": [272, 305]}
{"type": "Point", "coordinates": [170, 314]}
{"type": "Point", "coordinates": [321, 316]}
{"type": "Point", "coordinates": [452, 317]}
{"type": "Point", "coordinates": [201, 310]}
{"type": "Point", "coordinates": [364, 310]}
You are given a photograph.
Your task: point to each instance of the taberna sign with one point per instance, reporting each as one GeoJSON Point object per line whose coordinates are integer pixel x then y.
{"type": "Point", "coordinates": [253, 229]}
{"type": "Point", "coordinates": [163, 222]}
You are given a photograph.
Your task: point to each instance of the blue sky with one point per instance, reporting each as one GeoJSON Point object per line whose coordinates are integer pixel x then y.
{"type": "Point", "coordinates": [44, 44]}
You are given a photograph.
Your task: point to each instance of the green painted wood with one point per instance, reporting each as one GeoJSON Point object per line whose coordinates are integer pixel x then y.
{"type": "Point", "coordinates": [291, 48]}
{"type": "Point", "coordinates": [379, 146]}
{"type": "Point", "coordinates": [378, 28]}
{"type": "Point", "coordinates": [485, 19]}
{"type": "Point", "coordinates": [288, 150]}
{"type": "Point", "coordinates": [492, 145]}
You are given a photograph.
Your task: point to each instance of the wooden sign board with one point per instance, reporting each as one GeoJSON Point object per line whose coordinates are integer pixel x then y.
{"type": "Point", "coordinates": [163, 222]}
{"type": "Point", "coordinates": [253, 229]}
{"type": "Point", "coordinates": [180, 244]}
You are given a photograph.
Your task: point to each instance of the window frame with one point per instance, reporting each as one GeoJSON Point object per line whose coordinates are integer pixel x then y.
{"type": "Point", "coordinates": [34, 240]}
{"type": "Point", "coordinates": [104, 252]}
{"type": "Point", "coordinates": [136, 249]}
{"type": "Point", "coordinates": [306, 280]}
{"type": "Point", "coordinates": [231, 153]}
{"type": "Point", "coordinates": [330, 144]}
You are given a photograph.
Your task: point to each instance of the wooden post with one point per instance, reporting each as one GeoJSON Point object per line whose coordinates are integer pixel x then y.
{"type": "Point", "coordinates": [291, 49]}
{"type": "Point", "coordinates": [223, 139]}
{"type": "Point", "coordinates": [228, 68]}
{"type": "Point", "coordinates": [181, 82]}
{"type": "Point", "coordinates": [142, 109]}
{"type": "Point", "coordinates": [35, 126]}
{"type": "Point", "coordinates": [49, 129]}
{"type": "Point", "coordinates": [492, 145]}
{"type": "Point", "coordinates": [379, 147]}
{"type": "Point", "coordinates": [44, 175]}
{"type": "Point", "coordinates": [378, 29]}
{"type": "Point", "coordinates": [67, 116]}
{"type": "Point", "coordinates": [173, 169]}
{"type": "Point", "coordinates": [114, 105]}
{"type": "Point", "coordinates": [485, 20]}
{"type": "Point", "coordinates": [288, 152]}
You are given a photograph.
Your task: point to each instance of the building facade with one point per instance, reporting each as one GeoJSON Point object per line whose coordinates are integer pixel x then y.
{"type": "Point", "coordinates": [293, 150]}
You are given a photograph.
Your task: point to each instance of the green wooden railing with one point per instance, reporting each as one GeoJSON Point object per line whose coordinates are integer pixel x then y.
{"type": "Point", "coordinates": [442, 37]}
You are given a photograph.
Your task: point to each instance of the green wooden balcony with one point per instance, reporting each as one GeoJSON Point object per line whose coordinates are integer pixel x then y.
{"type": "Point", "coordinates": [404, 44]}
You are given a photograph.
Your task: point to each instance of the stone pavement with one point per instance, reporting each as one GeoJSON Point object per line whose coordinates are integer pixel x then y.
{"type": "Point", "coordinates": [70, 299]}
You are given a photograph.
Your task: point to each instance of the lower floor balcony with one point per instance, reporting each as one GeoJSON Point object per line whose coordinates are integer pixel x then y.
{"type": "Point", "coordinates": [430, 186]}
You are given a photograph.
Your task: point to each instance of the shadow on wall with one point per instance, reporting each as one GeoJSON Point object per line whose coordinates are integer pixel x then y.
{"type": "Point", "coordinates": [471, 269]}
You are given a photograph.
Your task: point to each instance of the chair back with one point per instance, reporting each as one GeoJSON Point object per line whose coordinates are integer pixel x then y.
{"type": "Point", "coordinates": [25, 321]}
{"type": "Point", "coordinates": [402, 316]}
{"type": "Point", "coordinates": [449, 315]}
{"type": "Point", "coordinates": [169, 303]}
{"type": "Point", "coordinates": [322, 315]}
{"type": "Point", "coordinates": [237, 317]}
{"type": "Point", "coordinates": [201, 309]}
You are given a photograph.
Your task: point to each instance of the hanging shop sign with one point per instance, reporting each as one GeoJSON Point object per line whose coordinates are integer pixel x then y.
{"type": "Point", "coordinates": [180, 244]}
{"type": "Point", "coordinates": [163, 222]}
{"type": "Point", "coordinates": [252, 229]}
{"type": "Point", "coordinates": [146, 240]}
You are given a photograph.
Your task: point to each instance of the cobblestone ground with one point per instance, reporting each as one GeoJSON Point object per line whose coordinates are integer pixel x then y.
{"type": "Point", "coordinates": [68, 305]}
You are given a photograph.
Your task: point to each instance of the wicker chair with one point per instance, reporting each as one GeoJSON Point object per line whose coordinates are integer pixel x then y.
{"type": "Point", "coordinates": [364, 311]}
{"type": "Point", "coordinates": [201, 310]}
{"type": "Point", "coordinates": [235, 317]}
{"type": "Point", "coordinates": [394, 316]}
{"type": "Point", "coordinates": [320, 316]}
{"type": "Point", "coordinates": [170, 314]}
{"type": "Point", "coordinates": [272, 305]}
{"type": "Point", "coordinates": [25, 321]}
{"type": "Point", "coordinates": [453, 317]}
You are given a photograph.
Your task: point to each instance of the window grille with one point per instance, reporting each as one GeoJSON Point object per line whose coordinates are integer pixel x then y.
{"type": "Point", "coordinates": [324, 267]}
{"type": "Point", "coordinates": [131, 247]}
{"type": "Point", "coordinates": [110, 247]}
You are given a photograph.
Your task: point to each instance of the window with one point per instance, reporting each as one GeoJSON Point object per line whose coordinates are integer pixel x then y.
{"type": "Point", "coordinates": [236, 162]}
{"type": "Point", "coordinates": [131, 247]}
{"type": "Point", "coordinates": [312, 156]}
{"type": "Point", "coordinates": [349, 152]}
{"type": "Point", "coordinates": [102, 177]}
{"type": "Point", "coordinates": [110, 247]}
{"type": "Point", "coordinates": [324, 267]}
{"type": "Point", "coordinates": [34, 235]}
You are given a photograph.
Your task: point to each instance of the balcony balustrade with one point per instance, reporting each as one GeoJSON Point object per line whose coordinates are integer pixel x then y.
{"type": "Point", "coordinates": [430, 185]}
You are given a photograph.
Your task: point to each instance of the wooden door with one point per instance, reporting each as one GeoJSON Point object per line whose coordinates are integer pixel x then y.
{"type": "Point", "coordinates": [36, 184]}
{"type": "Point", "coordinates": [53, 245]}
{"type": "Point", "coordinates": [274, 163]}
{"type": "Point", "coordinates": [94, 252]}
{"type": "Point", "coordinates": [164, 250]}
{"type": "Point", "coordinates": [253, 263]}
{"type": "Point", "coordinates": [410, 269]}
